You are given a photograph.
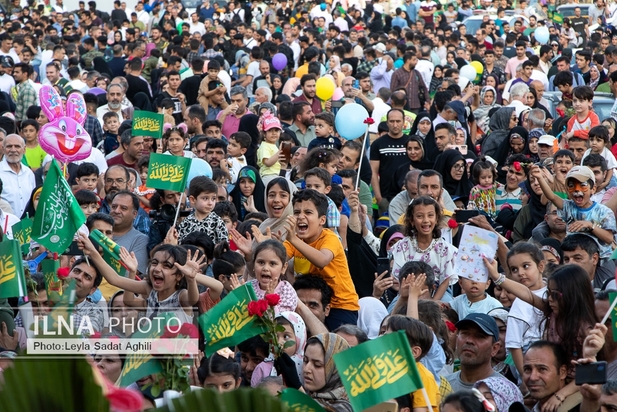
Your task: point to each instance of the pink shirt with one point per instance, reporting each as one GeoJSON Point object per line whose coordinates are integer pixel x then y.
{"type": "Point", "coordinates": [511, 66]}
{"type": "Point", "coordinates": [231, 123]}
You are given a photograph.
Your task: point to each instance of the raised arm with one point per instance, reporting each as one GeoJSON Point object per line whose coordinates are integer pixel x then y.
{"type": "Point", "coordinates": [520, 291]}
{"type": "Point", "coordinates": [319, 258]}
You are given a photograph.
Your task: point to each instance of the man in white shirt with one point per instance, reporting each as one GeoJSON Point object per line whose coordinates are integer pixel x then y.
{"type": "Point", "coordinates": [425, 66]}
{"type": "Point", "coordinates": [380, 108]}
{"type": "Point", "coordinates": [115, 95]}
{"type": "Point", "coordinates": [18, 180]}
{"type": "Point", "coordinates": [6, 47]}
{"type": "Point", "coordinates": [6, 80]}
{"type": "Point", "coordinates": [196, 26]}
{"type": "Point", "coordinates": [518, 93]}
{"type": "Point", "coordinates": [142, 15]}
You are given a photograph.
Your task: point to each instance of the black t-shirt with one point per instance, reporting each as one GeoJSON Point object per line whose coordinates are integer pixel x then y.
{"type": "Point", "coordinates": [136, 85]}
{"type": "Point", "coordinates": [509, 51]}
{"type": "Point", "coordinates": [190, 88]}
{"type": "Point", "coordinates": [177, 113]}
{"type": "Point", "coordinates": [578, 24]}
{"type": "Point", "coordinates": [391, 154]}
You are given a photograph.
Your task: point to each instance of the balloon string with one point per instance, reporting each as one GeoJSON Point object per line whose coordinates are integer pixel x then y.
{"type": "Point", "coordinates": [360, 158]}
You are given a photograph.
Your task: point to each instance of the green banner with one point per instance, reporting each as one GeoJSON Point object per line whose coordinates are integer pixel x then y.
{"type": "Point", "coordinates": [58, 214]}
{"type": "Point", "coordinates": [22, 232]}
{"type": "Point", "coordinates": [147, 124]}
{"type": "Point", "coordinates": [111, 251]}
{"type": "Point", "coordinates": [60, 317]}
{"type": "Point", "coordinates": [378, 370]}
{"type": "Point", "coordinates": [140, 364]}
{"type": "Point", "coordinates": [168, 172]}
{"type": "Point", "coordinates": [12, 277]}
{"type": "Point", "coordinates": [50, 274]}
{"type": "Point", "coordinates": [229, 323]}
{"type": "Point", "coordinates": [297, 401]}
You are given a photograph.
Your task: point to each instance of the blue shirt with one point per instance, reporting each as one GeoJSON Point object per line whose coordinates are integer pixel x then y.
{"type": "Point", "coordinates": [596, 213]}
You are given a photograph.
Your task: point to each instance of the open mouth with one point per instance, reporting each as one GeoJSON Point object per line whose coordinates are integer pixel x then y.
{"type": "Point", "coordinates": [277, 210]}
{"type": "Point", "coordinates": [302, 228]}
{"type": "Point", "coordinates": [578, 198]}
{"type": "Point", "coordinates": [157, 280]}
{"type": "Point", "coordinates": [68, 145]}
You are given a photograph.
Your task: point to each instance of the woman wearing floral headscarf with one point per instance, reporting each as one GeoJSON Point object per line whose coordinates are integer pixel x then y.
{"type": "Point", "coordinates": [488, 100]}
{"type": "Point", "coordinates": [500, 392]}
{"type": "Point", "coordinates": [321, 379]}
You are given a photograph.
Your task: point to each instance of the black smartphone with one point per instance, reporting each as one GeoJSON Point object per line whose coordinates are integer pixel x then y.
{"type": "Point", "coordinates": [383, 265]}
{"type": "Point", "coordinates": [591, 373]}
{"type": "Point", "coordinates": [462, 216]}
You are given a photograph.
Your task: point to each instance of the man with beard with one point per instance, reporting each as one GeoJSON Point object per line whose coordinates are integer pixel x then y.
{"type": "Point", "coordinates": [303, 122]}
{"type": "Point", "coordinates": [552, 227]}
{"type": "Point", "coordinates": [173, 93]}
{"type": "Point", "coordinates": [117, 179]}
{"type": "Point", "coordinates": [195, 117]}
{"type": "Point", "coordinates": [411, 81]}
{"type": "Point", "coordinates": [18, 180]}
{"type": "Point", "coordinates": [430, 183]}
{"type": "Point", "coordinates": [132, 146]}
{"type": "Point", "coordinates": [115, 95]}
{"type": "Point", "coordinates": [307, 82]}
{"type": "Point", "coordinates": [87, 280]}
{"type": "Point", "coordinates": [476, 344]}
{"type": "Point", "coordinates": [230, 117]}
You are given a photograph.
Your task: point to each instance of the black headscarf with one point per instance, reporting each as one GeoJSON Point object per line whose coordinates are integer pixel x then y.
{"type": "Point", "coordinates": [101, 66]}
{"type": "Point", "coordinates": [423, 164]}
{"type": "Point", "coordinates": [505, 150]}
{"type": "Point", "coordinates": [141, 101]}
{"type": "Point", "coordinates": [376, 24]}
{"type": "Point", "coordinates": [248, 124]}
{"type": "Point", "coordinates": [536, 210]}
{"type": "Point", "coordinates": [430, 147]}
{"type": "Point", "coordinates": [258, 192]}
{"type": "Point", "coordinates": [457, 188]}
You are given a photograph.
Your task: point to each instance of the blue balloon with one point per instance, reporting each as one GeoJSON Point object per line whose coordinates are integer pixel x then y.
{"type": "Point", "coordinates": [542, 35]}
{"type": "Point", "coordinates": [350, 121]}
{"type": "Point", "coordinates": [199, 167]}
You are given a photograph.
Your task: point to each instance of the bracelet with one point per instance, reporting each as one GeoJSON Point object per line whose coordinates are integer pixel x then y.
{"type": "Point", "coordinates": [559, 398]}
{"type": "Point", "coordinates": [500, 279]}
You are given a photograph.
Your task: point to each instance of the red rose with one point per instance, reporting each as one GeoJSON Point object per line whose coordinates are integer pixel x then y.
{"type": "Point", "coordinates": [263, 306]}
{"type": "Point", "coordinates": [252, 308]}
{"type": "Point", "coordinates": [189, 330]}
{"type": "Point", "coordinates": [517, 166]}
{"type": "Point", "coordinates": [171, 332]}
{"type": "Point", "coordinates": [257, 307]}
{"type": "Point", "coordinates": [369, 120]}
{"type": "Point", "coordinates": [63, 273]}
{"type": "Point", "coordinates": [273, 299]}
{"type": "Point", "coordinates": [452, 224]}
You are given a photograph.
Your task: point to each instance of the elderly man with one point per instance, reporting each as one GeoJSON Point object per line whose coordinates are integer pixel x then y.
{"type": "Point", "coordinates": [263, 95]}
{"type": "Point", "coordinates": [230, 117]}
{"type": "Point", "coordinates": [18, 180]}
{"type": "Point", "coordinates": [399, 204]}
{"type": "Point", "coordinates": [476, 343]}
{"type": "Point", "coordinates": [115, 95]}
{"type": "Point", "coordinates": [518, 98]}
{"type": "Point", "coordinates": [124, 211]}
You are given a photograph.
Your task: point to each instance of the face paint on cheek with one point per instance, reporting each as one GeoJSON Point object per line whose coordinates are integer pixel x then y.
{"type": "Point", "coordinates": [578, 187]}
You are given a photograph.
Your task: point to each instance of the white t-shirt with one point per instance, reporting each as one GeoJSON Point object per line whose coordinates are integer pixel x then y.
{"type": "Point", "coordinates": [611, 162]}
{"type": "Point", "coordinates": [198, 27]}
{"type": "Point", "coordinates": [524, 323]}
{"type": "Point", "coordinates": [252, 70]}
{"type": "Point", "coordinates": [6, 83]}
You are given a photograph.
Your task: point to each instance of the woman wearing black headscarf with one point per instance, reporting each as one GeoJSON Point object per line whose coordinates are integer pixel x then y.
{"type": "Point", "coordinates": [517, 142]}
{"type": "Point", "coordinates": [430, 147]}
{"type": "Point", "coordinates": [376, 22]}
{"type": "Point", "coordinates": [530, 215]}
{"type": "Point", "coordinates": [452, 166]}
{"type": "Point", "coordinates": [101, 66]}
{"type": "Point", "coordinates": [141, 101]}
{"type": "Point", "coordinates": [248, 124]}
{"type": "Point", "coordinates": [417, 160]}
{"type": "Point", "coordinates": [243, 198]}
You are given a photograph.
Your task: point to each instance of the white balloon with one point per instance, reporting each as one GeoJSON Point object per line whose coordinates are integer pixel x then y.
{"type": "Point", "coordinates": [468, 72]}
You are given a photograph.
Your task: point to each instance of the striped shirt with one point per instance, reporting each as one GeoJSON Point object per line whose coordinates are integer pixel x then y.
{"type": "Point", "coordinates": [503, 197]}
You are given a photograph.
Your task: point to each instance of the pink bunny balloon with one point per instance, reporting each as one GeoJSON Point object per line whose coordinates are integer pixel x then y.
{"type": "Point", "coordinates": [64, 137]}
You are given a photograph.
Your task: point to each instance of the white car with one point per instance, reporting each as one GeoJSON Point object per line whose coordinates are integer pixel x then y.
{"type": "Point", "coordinates": [473, 22]}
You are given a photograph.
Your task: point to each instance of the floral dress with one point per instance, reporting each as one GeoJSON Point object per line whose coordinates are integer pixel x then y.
{"type": "Point", "coordinates": [439, 256]}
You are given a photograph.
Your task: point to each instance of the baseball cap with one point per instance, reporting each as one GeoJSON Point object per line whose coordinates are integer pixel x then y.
{"type": "Point", "coordinates": [546, 139]}
{"type": "Point", "coordinates": [483, 321]}
{"type": "Point", "coordinates": [459, 108]}
{"type": "Point", "coordinates": [380, 48]}
{"type": "Point", "coordinates": [582, 174]}
{"type": "Point", "coordinates": [499, 313]}
{"type": "Point", "coordinates": [271, 122]}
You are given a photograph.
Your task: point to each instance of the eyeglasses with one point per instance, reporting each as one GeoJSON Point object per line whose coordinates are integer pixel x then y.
{"type": "Point", "coordinates": [514, 118]}
{"type": "Point", "coordinates": [458, 167]}
{"type": "Point", "coordinates": [117, 181]}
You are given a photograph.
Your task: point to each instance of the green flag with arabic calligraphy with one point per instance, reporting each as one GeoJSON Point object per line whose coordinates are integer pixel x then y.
{"type": "Point", "coordinates": [50, 274]}
{"type": "Point", "coordinates": [378, 370]}
{"type": "Point", "coordinates": [147, 124]}
{"type": "Point", "coordinates": [168, 172]}
{"type": "Point", "coordinates": [111, 251]}
{"type": "Point", "coordinates": [22, 231]}
{"type": "Point", "coordinates": [143, 363]}
{"type": "Point", "coordinates": [58, 214]}
{"type": "Point", "coordinates": [228, 323]}
{"type": "Point", "coordinates": [297, 401]}
{"type": "Point", "coordinates": [12, 277]}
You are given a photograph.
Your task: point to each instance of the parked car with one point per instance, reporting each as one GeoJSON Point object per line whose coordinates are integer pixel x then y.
{"type": "Point", "coordinates": [567, 10]}
{"type": "Point", "coordinates": [602, 103]}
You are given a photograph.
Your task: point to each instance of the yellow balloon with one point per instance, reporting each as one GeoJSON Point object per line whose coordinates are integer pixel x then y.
{"type": "Point", "coordinates": [302, 70]}
{"type": "Point", "coordinates": [324, 88]}
{"type": "Point", "coordinates": [478, 66]}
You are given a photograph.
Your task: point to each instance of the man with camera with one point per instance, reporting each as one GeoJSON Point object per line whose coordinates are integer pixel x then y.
{"type": "Point", "coordinates": [163, 213]}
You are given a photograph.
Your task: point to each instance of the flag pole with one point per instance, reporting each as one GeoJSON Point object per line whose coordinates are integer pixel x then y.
{"type": "Point", "coordinates": [609, 311]}
{"type": "Point", "coordinates": [426, 399]}
{"type": "Point", "coordinates": [360, 161]}
{"type": "Point", "coordinates": [178, 209]}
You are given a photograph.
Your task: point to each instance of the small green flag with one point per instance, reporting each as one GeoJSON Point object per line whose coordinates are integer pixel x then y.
{"type": "Point", "coordinates": [50, 274]}
{"type": "Point", "coordinates": [297, 401]}
{"type": "Point", "coordinates": [378, 370]}
{"type": "Point", "coordinates": [229, 323]}
{"type": "Point", "coordinates": [21, 232]}
{"type": "Point", "coordinates": [60, 317]}
{"type": "Point", "coordinates": [557, 18]}
{"type": "Point", "coordinates": [147, 124]}
{"type": "Point", "coordinates": [12, 278]}
{"type": "Point", "coordinates": [168, 172]}
{"type": "Point", "coordinates": [140, 364]}
{"type": "Point", "coordinates": [58, 213]}
{"type": "Point", "coordinates": [111, 251]}
{"type": "Point", "coordinates": [611, 298]}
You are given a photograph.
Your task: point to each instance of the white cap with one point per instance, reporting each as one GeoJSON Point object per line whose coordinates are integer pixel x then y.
{"type": "Point", "coordinates": [547, 139]}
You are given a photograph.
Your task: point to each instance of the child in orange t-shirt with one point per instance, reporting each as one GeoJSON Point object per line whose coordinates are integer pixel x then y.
{"type": "Point", "coordinates": [318, 251]}
{"type": "Point", "coordinates": [143, 193]}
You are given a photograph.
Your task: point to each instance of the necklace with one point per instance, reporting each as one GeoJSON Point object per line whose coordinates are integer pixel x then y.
{"type": "Point", "coordinates": [414, 243]}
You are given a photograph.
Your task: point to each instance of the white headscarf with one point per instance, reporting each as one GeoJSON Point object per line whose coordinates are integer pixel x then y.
{"type": "Point", "coordinates": [370, 315]}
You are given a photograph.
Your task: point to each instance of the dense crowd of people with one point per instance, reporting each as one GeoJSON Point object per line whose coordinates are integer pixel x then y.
{"type": "Point", "coordinates": [358, 236]}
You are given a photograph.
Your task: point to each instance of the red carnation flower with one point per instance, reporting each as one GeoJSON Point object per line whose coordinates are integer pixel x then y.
{"type": "Point", "coordinates": [517, 166]}
{"type": "Point", "coordinates": [63, 273]}
{"type": "Point", "coordinates": [273, 299]}
{"type": "Point", "coordinates": [369, 120]}
{"type": "Point", "coordinates": [452, 224]}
